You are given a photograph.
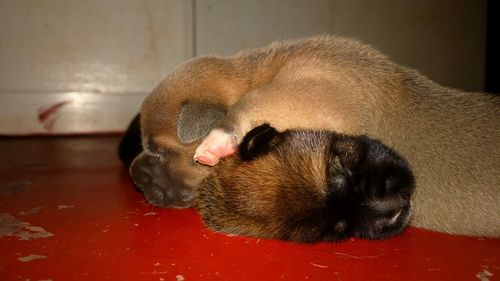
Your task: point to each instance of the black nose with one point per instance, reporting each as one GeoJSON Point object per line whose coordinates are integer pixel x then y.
{"type": "Point", "coordinates": [385, 205]}
{"type": "Point", "coordinates": [150, 175]}
{"type": "Point", "coordinates": [382, 218]}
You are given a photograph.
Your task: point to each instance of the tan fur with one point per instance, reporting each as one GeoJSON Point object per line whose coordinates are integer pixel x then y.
{"type": "Point", "coordinates": [450, 138]}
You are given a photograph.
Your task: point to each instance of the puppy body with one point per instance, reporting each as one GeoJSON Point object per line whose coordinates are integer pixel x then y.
{"type": "Point", "coordinates": [450, 138]}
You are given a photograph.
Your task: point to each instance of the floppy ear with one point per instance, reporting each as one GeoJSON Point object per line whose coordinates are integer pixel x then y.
{"type": "Point", "coordinates": [257, 142]}
{"type": "Point", "coordinates": [196, 120]}
{"type": "Point", "coordinates": [130, 144]}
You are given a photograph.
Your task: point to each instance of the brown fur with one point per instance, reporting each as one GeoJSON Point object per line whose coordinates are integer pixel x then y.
{"type": "Point", "coordinates": [450, 138]}
{"type": "Point", "coordinates": [308, 186]}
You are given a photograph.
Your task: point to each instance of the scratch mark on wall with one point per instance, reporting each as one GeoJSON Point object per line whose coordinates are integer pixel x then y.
{"type": "Point", "coordinates": [48, 115]}
{"type": "Point", "coordinates": [152, 53]}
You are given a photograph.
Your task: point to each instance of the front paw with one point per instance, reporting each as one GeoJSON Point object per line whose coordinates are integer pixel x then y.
{"type": "Point", "coordinates": [216, 145]}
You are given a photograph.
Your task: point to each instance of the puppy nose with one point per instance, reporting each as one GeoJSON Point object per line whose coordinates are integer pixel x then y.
{"type": "Point", "coordinates": [395, 217]}
{"type": "Point", "coordinates": [140, 171]}
{"type": "Point", "coordinates": [157, 193]}
{"type": "Point", "coordinates": [380, 223]}
{"type": "Point", "coordinates": [160, 189]}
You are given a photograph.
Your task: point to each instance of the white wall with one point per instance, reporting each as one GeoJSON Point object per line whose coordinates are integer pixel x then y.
{"type": "Point", "coordinates": [444, 39]}
{"type": "Point", "coordinates": [72, 66]}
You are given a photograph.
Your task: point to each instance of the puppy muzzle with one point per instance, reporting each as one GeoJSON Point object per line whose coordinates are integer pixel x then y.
{"type": "Point", "coordinates": [149, 174]}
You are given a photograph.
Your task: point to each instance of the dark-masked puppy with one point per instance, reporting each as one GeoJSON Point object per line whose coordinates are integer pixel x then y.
{"type": "Point", "coordinates": [308, 186]}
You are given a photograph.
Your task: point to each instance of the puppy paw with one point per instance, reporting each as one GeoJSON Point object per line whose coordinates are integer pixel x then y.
{"type": "Point", "coordinates": [216, 145]}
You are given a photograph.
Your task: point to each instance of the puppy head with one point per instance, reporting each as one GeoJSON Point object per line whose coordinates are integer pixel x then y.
{"type": "Point", "coordinates": [165, 170]}
{"type": "Point", "coordinates": [308, 186]}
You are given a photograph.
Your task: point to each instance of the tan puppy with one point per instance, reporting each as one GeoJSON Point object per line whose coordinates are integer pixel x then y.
{"type": "Point", "coordinates": [451, 139]}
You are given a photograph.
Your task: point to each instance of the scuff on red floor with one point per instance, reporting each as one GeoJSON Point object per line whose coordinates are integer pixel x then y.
{"type": "Point", "coordinates": [69, 212]}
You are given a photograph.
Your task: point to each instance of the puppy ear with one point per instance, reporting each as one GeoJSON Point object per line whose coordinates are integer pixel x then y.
{"type": "Point", "coordinates": [196, 120]}
{"type": "Point", "coordinates": [130, 144]}
{"type": "Point", "coordinates": [257, 142]}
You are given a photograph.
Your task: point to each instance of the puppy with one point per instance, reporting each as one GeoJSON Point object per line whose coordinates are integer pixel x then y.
{"type": "Point", "coordinates": [308, 186]}
{"type": "Point", "coordinates": [449, 138]}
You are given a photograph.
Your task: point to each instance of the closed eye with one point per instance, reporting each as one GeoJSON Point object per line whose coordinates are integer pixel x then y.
{"type": "Point", "coordinates": [150, 148]}
{"type": "Point", "coordinates": [155, 150]}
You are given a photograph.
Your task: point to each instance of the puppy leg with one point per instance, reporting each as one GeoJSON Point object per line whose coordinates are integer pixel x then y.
{"type": "Point", "coordinates": [306, 103]}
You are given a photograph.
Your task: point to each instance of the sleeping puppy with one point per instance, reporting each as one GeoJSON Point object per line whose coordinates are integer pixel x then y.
{"type": "Point", "coordinates": [308, 186]}
{"type": "Point", "coordinates": [449, 138]}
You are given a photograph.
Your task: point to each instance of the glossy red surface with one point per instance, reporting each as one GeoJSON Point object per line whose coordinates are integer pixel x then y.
{"type": "Point", "coordinates": [76, 189]}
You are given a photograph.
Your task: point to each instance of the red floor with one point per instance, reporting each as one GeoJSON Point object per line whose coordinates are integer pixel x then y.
{"type": "Point", "coordinates": [69, 212]}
